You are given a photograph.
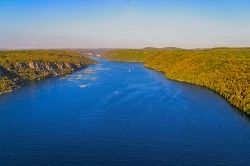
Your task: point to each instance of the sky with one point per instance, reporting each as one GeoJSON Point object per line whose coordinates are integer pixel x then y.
{"type": "Point", "coordinates": [124, 23]}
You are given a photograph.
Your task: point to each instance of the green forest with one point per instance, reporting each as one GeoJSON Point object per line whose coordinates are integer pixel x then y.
{"type": "Point", "coordinates": [20, 67]}
{"type": "Point", "coordinates": [224, 70]}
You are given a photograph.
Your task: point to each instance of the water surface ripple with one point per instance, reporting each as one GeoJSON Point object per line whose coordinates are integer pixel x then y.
{"type": "Point", "coordinates": [120, 114]}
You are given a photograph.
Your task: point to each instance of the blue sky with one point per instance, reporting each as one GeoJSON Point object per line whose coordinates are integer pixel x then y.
{"type": "Point", "coordinates": [124, 23]}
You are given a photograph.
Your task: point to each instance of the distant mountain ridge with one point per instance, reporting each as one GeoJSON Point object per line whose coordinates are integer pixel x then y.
{"type": "Point", "coordinates": [164, 48]}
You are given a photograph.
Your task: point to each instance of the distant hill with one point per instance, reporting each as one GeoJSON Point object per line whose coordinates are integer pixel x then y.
{"type": "Point", "coordinates": [164, 48]}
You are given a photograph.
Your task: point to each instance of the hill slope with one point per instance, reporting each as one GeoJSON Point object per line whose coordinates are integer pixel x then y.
{"type": "Point", "coordinates": [224, 70]}
{"type": "Point", "coordinates": [20, 67]}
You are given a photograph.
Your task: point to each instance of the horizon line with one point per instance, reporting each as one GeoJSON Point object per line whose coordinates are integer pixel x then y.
{"type": "Point", "coordinates": [96, 48]}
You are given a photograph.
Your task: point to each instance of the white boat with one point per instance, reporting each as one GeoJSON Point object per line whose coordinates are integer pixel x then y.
{"type": "Point", "coordinates": [83, 86]}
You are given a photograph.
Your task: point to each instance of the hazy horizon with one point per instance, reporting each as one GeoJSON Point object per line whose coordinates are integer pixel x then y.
{"type": "Point", "coordinates": [45, 24]}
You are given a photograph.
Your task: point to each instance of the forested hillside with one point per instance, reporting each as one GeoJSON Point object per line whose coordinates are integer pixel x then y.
{"type": "Point", "coordinates": [224, 70]}
{"type": "Point", "coordinates": [20, 67]}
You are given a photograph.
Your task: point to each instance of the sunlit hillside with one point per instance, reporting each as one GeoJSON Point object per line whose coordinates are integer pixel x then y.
{"type": "Point", "coordinates": [224, 70]}
{"type": "Point", "coordinates": [20, 67]}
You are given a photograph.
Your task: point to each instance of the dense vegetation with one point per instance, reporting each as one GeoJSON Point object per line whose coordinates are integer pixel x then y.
{"type": "Point", "coordinates": [224, 70]}
{"type": "Point", "coordinates": [20, 67]}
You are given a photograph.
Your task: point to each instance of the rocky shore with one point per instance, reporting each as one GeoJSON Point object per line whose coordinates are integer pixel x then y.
{"type": "Point", "coordinates": [15, 72]}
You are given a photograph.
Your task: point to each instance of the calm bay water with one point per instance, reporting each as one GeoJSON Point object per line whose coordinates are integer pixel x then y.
{"type": "Point", "coordinates": [120, 114]}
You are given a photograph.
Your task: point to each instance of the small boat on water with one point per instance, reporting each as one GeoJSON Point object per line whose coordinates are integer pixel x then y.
{"type": "Point", "coordinates": [83, 86]}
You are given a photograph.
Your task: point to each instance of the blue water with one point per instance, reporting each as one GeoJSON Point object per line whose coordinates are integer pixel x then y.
{"type": "Point", "coordinates": [120, 114]}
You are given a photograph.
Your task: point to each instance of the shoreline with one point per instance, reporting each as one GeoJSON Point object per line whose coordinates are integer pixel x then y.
{"type": "Point", "coordinates": [222, 70]}
{"type": "Point", "coordinates": [196, 84]}
{"type": "Point", "coordinates": [28, 82]}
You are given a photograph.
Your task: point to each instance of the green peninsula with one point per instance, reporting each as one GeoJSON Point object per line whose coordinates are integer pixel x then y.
{"type": "Point", "coordinates": [20, 67]}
